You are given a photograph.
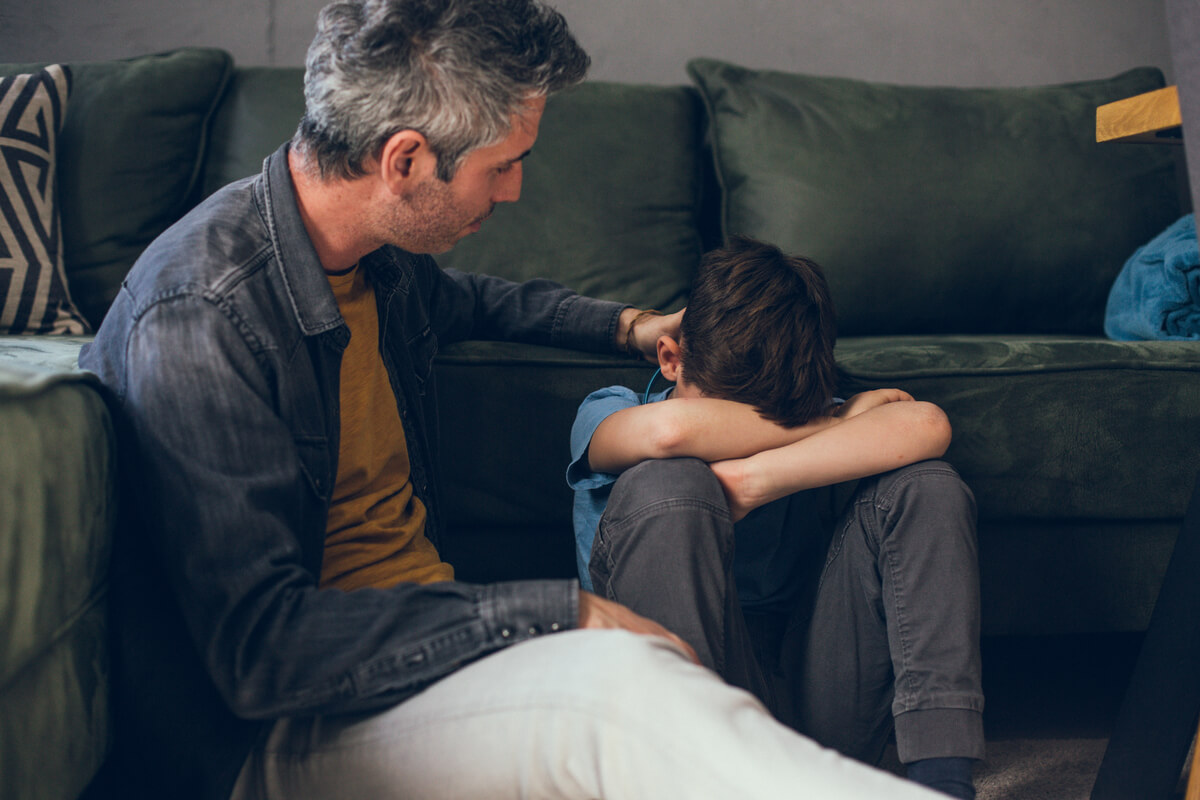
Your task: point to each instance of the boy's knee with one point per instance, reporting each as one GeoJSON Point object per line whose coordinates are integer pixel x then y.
{"type": "Point", "coordinates": [686, 481]}
{"type": "Point", "coordinates": [926, 481]}
{"type": "Point", "coordinates": [669, 512]}
{"type": "Point", "coordinates": [928, 500]}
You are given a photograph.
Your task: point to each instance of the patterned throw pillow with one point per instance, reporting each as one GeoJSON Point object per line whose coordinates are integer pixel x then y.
{"type": "Point", "coordinates": [33, 285]}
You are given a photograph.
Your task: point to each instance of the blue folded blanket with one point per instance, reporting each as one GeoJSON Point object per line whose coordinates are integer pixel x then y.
{"type": "Point", "coordinates": [1157, 293]}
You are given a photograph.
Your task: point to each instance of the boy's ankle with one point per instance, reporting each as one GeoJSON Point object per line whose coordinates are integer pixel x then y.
{"type": "Point", "coordinates": [951, 776]}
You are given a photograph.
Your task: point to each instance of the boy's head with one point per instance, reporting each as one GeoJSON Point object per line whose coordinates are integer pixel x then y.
{"type": "Point", "coordinates": [759, 329]}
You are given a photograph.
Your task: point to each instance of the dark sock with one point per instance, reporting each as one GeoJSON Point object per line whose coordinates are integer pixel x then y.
{"type": "Point", "coordinates": [950, 776]}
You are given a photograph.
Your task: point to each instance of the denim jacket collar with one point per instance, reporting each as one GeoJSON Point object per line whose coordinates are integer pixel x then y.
{"type": "Point", "coordinates": [303, 276]}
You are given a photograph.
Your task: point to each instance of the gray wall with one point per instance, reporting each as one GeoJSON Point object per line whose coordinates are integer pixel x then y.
{"type": "Point", "coordinates": [948, 42]}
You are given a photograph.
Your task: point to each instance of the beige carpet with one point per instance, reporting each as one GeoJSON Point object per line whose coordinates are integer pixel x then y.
{"type": "Point", "coordinates": [1039, 769]}
{"type": "Point", "coordinates": [1051, 703]}
{"type": "Point", "coordinates": [1033, 769]}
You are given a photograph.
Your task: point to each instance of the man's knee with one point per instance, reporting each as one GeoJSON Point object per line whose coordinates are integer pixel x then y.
{"type": "Point", "coordinates": [616, 666]}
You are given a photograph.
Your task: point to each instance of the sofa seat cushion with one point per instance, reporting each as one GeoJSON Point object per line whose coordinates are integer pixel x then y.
{"type": "Point", "coordinates": [1053, 427]}
{"type": "Point", "coordinates": [57, 513]}
{"type": "Point", "coordinates": [940, 210]}
{"type": "Point", "coordinates": [501, 402]}
{"type": "Point", "coordinates": [131, 151]}
{"type": "Point", "coordinates": [41, 358]}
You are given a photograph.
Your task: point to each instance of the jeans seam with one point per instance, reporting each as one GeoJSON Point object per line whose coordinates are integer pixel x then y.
{"type": "Point", "coordinates": [662, 505]}
{"type": "Point", "coordinates": [883, 504]}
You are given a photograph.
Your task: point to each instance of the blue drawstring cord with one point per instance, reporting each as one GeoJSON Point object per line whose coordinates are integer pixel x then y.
{"type": "Point", "coordinates": [653, 378]}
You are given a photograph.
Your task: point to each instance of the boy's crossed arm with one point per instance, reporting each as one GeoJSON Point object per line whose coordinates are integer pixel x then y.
{"type": "Point", "coordinates": [707, 428]}
{"type": "Point", "coordinates": [881, 437]}
{"type": "Point", "coordinates": [757, 460]}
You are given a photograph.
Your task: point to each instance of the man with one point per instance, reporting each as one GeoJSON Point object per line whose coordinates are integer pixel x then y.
{"type": "Point", "coordinates": [286, 627]}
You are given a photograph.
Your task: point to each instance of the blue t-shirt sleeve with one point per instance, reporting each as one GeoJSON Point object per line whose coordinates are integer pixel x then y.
{"type": "Point", "coordinates": [594, 409]}
{"type": "Point", "coordinates": [591, 488]}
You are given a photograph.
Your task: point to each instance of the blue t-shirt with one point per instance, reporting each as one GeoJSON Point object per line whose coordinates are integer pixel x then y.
{"type": "Point", "coordinates": [768, 545]}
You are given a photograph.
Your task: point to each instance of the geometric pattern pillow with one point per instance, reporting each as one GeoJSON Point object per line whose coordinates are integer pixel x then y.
{"type": "Point", "coordinates": [33, 285]}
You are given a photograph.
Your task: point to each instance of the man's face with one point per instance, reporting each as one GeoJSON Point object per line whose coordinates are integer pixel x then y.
{"type": "Point", "coordinates": [437, 214]}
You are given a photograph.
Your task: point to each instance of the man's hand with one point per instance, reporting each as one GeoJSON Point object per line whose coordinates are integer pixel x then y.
{"type": "Point", "coordinates": [596, 612]}
{"type": "Point", "coordinates": [646, 330]}
{"type": "Point", "coordinates": [864, 401]}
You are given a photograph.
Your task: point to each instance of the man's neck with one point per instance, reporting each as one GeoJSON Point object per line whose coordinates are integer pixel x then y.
{"type": "Point", "coordinates": [332, 212]}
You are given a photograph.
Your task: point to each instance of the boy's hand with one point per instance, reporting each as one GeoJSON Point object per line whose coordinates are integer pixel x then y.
{"type": "Point", "coordinates": [864, 401]}
{"type": "Point", "coordinates": [738, 479]}
{"type": "Point", "coordinates": [598, 613]}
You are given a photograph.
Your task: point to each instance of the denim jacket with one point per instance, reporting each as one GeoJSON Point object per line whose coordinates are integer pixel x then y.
{"type": "Point", "coordinates": [221, 356]}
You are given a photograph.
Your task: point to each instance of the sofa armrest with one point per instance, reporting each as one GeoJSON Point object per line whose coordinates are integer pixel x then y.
{"type": "Point", "coordinates": [57, 516]}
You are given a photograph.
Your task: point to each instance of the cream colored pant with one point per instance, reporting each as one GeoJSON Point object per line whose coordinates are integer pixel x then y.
{"type": "Point", "coordinates": [583, 714]}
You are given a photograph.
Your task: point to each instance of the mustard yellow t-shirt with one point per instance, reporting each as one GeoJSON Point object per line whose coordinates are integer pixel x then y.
{"type": "Point", "coordinates": [375, 535]}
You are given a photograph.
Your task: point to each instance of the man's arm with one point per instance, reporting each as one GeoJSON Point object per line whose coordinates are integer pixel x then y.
{"type": "Point", "coordinates": [229, 496]}
{"type": "Point", "coordinates": [638, 331]}
{"type": "Point", "coordinates": [879, 439]}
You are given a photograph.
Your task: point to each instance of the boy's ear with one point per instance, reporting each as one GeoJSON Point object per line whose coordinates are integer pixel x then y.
{"type": "Point", "coordinates": [668, 358]}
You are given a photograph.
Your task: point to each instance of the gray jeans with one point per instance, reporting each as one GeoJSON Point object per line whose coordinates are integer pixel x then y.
{"type": "Point", "coordinates": [886, 634]}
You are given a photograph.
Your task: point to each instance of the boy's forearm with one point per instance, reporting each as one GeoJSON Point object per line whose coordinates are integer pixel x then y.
{"type": "Point", "coordinates": [704, 428]}
{"type": "Point", "coordinates": [875, 441]}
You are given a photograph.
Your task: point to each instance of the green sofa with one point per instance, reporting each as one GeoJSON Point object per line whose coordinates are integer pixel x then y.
{"type": "Point", "coordinates": [969, 236]}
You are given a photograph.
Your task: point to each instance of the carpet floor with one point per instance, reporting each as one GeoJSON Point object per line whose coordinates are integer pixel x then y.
{"type": "Point", "coordinates": [1051, 705]}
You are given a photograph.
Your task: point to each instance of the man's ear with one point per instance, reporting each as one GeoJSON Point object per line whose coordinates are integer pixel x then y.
{"type": "Point", "coordinates": [405, 160]}
{"type": "Point", "coordinates": [668, 358]}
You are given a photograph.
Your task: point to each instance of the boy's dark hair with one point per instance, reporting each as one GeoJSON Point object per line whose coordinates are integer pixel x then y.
{"type": "Point", "coordinates": [760, 329]}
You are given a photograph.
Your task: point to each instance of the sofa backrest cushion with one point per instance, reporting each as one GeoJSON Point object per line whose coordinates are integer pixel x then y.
{"type": "Point", "coordinates": [259, 112]}
{"type": "Point", "coordinates": [611, 199]}
{"type": "Point", "coordinates": [129, 160]}
{"type": "Point", "coordinates": [940, 210]}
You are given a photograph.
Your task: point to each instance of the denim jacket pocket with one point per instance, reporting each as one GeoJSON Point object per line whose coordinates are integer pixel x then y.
{"type": "Point", "coordinates": [316, 466]}
{"type": "Point", "coordinates": [422, 349]}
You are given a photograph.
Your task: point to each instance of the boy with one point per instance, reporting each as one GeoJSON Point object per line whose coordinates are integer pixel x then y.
{"type": "Point", "coordinates": [750, 436]}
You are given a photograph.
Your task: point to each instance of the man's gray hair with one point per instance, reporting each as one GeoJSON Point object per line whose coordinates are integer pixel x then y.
{"type": "Point", "coordinates": [453, 70]}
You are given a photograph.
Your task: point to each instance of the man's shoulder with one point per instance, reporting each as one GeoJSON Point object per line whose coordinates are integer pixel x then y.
{"type": "Point", "coordinates": [201, 252]}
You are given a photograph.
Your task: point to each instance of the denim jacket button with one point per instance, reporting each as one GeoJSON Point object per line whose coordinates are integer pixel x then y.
{"type": "Point", "coordinates": [505, 633]}
{"type": "Point", "coordinates": [534, 630]}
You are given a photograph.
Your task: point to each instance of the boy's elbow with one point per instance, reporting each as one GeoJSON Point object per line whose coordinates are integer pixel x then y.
{"type": "Point", "coordinates": [936, 426]}
{"type": "Point", "coordinates": [668, 439]}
